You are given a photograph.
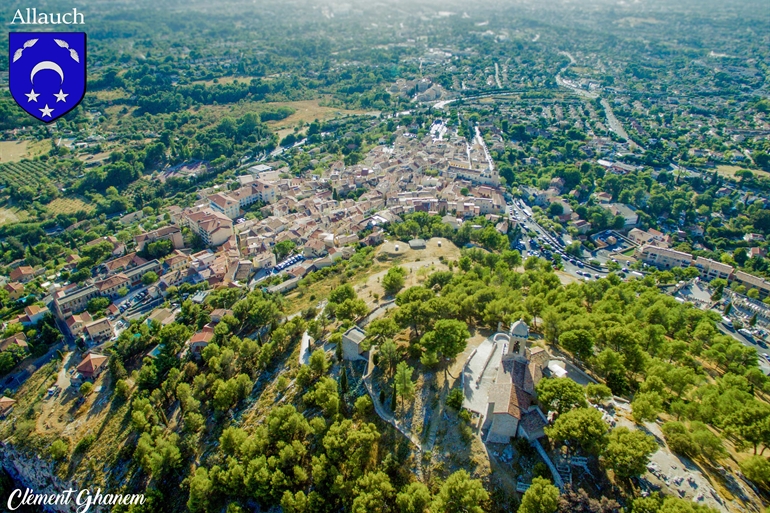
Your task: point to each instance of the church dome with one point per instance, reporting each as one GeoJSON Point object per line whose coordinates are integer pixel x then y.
{"type": "Point", "coordinates": [520, 329]}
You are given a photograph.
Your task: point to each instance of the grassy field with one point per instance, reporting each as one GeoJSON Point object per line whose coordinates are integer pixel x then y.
{"type": "Point", "coordinates": [729, 171]}
{"type": "Point", "coordinates": [68, 206]}
{"type": "Point", "coordinates": [11, 215]}
{"type": "Point", "coordinates": [14, 151]}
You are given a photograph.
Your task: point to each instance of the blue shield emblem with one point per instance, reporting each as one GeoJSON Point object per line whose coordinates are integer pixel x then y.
{"type": "Point", "coordinates": [47, 72]}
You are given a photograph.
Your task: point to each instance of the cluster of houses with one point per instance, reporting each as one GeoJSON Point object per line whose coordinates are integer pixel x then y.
{"type": "Point", "coordinates": [322, 215]}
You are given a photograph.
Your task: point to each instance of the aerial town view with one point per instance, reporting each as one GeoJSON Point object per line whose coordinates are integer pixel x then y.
{"type": "Point", "coordinates": [321, 256]}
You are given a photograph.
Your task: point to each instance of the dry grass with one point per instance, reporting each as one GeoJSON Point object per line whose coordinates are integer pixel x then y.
{"type": "Point", "coordinates": [729, 171]}
{"type": "Point", "coordinates": [14, 151]}
{"type": "Point", "coordinates": [12, 215]}
{"type": "Point", "coordinates": [110, 94]}
{"type": "Point", "coordinates": [68, 206]}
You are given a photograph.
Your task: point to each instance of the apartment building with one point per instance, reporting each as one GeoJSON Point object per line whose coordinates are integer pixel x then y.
{"type": "Point", "coordinates": [109, 287]}
{"type": "Point", "coordinates": [710, 269]}
{"type": "Point", "coordinates": [215, 228]}
{"type": "Point", "coordinates": [664, 258]}
{"type": "Point", "coordinates": [171, 233]}
{"type": "Point", "coordinates": [753, 282]}
{"type": "Point", "coordinates": [224, 204]}
{"type": "Point", "coordinates": [74, 301]}
{"type": "Point", "coordinates": [231, 203]}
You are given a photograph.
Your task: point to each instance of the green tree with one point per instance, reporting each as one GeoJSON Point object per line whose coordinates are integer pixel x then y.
{"type": "Point", "coordinates": [283, 249]}
{"type": "Point", "coordinates": [541, 497]}
{"type": "Point", "coordinates": [628, 452]}
{"type": "Point", "coordinates": [201, 489]}
{"type": "Point", "coordinates": [448, 338]}
{"type": "Point", "coordinates": [394, 279]}
{"type": "Point", "coordinates": [646, 406]}
{"type": "Point", "coordinates": [59, 450]}
{"type": "Point", "coordinates": [455, 399]}
{"type": "Point", "coordinates": [373, 493]}
{"type": "Point", "coordinates": [149, 278]}
{"type": "Point", "coordinates": [597, 392]}
{"type": "Point", "coordinates": [318, 362]}
{"type": "Point", "coordinates": [122, 390]}
{"type": "Point", "coordinates": [580, 342]}
{"type": "Point", "coordinates": [757, 469]}
{"type": "Point", "coordinates": [678, 438]}
{"type": "Point", "coordinates": [403, 382]}
{"type": "Point", "coordinates": [560, 394]}
{"type": "Point", "coordinates": [460, 494]}
{"type": "Point", "coordinates": [389, 356]}
{"type": "Point", "coordinates": [583, 427]}
{"type": "Point", "coordinates": [86, 388]}
{"type": "Point", "coordinates": [381, 328]}
{"type": "Point", "coordinates": [97, 304]}
{"type": "Point", "coordinates": [414, 498]}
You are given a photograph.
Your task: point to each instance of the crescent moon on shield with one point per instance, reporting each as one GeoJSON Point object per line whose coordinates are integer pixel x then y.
{"type": "Point", "coordinates": [46, 65]}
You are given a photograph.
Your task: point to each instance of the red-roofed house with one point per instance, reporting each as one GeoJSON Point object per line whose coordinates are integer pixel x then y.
{"type": "Point", "coordinates": [15, 290]}
{"type": "Point", "coordinates": [200, 340]}
{"type": "Point", "coordinates": [23, 274]}
{"type": "Point", "coordinates": [91, 366]}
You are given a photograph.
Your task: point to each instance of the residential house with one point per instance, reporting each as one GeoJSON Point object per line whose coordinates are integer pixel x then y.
{"type": "Point", "coordinates": [15, 290]}
{"type": "Point", "coordinates": [76, 323]}
{"type": "Point", "coordinates": [23, 274]}
{"type": "Point", "coordinates": [200, 340]}
{"type": "Point", "coordinates": [710, 269]}
{"type": "Point", "coordinates": [214, 228]}
{"type": "Point", "coordinates": [753, 282]}
{"type": "Point", "coordinates": [18, 340]}
{"type": "Point", "coordinates": [73, 301]}
{"type": "Point", "coordinates": [90, 367]}
{"type": "Point", "coordinates": [630, 217]}
{"type": "Point", "coordinates": [100, 330]}
{"type": "Point", "coordinates": [111, 286]}
{"type": "Point", "coordinates": [32, 315]}
{"type": "Point", "coordinates": [118, 248]}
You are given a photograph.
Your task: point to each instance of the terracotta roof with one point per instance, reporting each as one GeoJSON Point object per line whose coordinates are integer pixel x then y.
{"type": "Point", "coordinates": [19, 339]}
{"type": "Point", "coordinates": [91, 363]}
{"type": "Point", "coordinates": [6, 402]}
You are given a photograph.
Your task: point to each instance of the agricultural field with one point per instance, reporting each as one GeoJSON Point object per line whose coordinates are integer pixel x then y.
{"type": "Point", "coordinates": [33, 174]}
{"type": "Point", "coordinates": [68, 206]}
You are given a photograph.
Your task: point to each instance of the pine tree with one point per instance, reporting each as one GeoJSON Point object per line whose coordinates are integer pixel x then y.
{"type": "Point", "coordinates": [404, 386]}
{"type": "Point", "coordinates": [343, 382]}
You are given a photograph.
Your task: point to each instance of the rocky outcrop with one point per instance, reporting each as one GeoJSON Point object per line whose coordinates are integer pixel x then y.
{"type": "Point", "coordinates": [35, 473]}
